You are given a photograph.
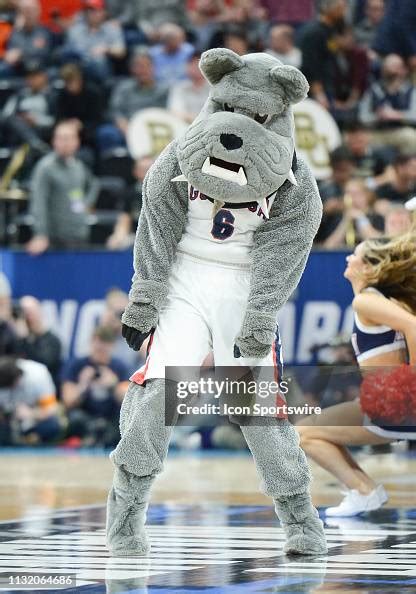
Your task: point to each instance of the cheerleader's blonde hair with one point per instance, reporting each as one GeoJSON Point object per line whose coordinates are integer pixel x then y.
{"type": "Point", "coordinates": [392, 267]}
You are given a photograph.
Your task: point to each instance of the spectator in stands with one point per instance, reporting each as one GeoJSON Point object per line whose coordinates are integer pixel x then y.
{"type": "Point", "coordinates": [153, 14]}
{"type": "Point", "coordinates": [289, 11]}
{"type": "Point", "coordinates": [398, 220]}
{"type": "Point", "coordinates": [28, 405]}
{"type": "Point", "coordinates": [365, 31]}
{"type": "Point", "coordinates": [7, 333]}
{"type": "Point", "coordinates": [138, 92]}
{"type": "Point", "coordinates": [402, 184]}
{"type": "Point", "coordinates": [370, 161]}
{"type": "Point", "coordinates": [116, 301]}
{"type": "Point", "coordinates": [250, 18]}
{"type": "Point", "coordinates": [81, 101]}
{"type": "Point", "coordinates": [95, 40]}
{"type": "Point", "coordinates": [35, 340]}
{"type": "Point", "coordinates": [343, 169]}
{"type": "Point", "coordinates": [236, 40]}
{"type": "Point", "coordinates": [186, 98]}
{"type": "Point", "coordinates": [93, 389]}
{"type": "Point", "coordinates": [27, 114]}
{"type": "Point", "coordinates": [171, 55]}
{"type": "Point", "coordinates": [332, 190]}
{"type": "Point", "coordinates": [396, 32]}
{"type": "Point", "coordinates": [205, 17]}
{"type": "Point", "coordinates": [350, 76]}
{"type": "Point", "coordinates": [28, 40]}
{"type": "Point", "coordinates": [316, 42]}
{"type": "Point", "coordinates": [124, 12]}
{"type": "Point", "coordinates": [62, 191]}
{"type": "Point", "coordinates": [358, 221]}
{"type": "Point", "coordinates": [389, 106]}
{"type": "Point", "coordinates": [281, 45]}
{"type": "Point", "coordinates": [124, 230]}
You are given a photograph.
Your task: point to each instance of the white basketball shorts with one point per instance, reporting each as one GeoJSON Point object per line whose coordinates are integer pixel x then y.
{"type": "Point", "coordinates": [203, 313]}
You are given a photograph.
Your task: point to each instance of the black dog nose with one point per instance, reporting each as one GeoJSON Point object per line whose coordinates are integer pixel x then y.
{"type": "Point", "coordinates": [231, 142]}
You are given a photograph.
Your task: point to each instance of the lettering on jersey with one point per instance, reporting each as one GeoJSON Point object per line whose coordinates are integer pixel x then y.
{"type": "Point", "coordinates": [223, 226]}
{"type": "Point", "coordinates": [194, 194]}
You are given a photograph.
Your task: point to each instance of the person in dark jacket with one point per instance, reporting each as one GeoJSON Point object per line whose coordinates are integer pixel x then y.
{"type": "Point", "coordinates": [36, 341]}
{"type": "Point", "coordinates": [81, 101]}
{"type": "Point", "coordinates": [396, 33]}
{"type": "Point", "coordinates": [317, 44]}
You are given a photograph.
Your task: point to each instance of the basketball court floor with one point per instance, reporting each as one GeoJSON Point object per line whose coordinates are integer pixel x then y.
{"type": "Point", "coordinates": [211, 530]}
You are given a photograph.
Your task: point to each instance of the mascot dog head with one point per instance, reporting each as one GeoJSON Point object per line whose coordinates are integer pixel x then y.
{"type": "Point", "coordinates": [241, 145]}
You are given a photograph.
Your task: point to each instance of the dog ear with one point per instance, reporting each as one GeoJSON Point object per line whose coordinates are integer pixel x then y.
{"type": "Point", "coordinates": [216, 62]}
{"type": "Point", "coordinates": [291, 80]}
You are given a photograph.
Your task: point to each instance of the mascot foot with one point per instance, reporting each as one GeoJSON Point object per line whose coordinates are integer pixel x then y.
{"type": "Point", "coordinates": [303, 528]}
{"type": "Point", "coordinates": [126, 515]}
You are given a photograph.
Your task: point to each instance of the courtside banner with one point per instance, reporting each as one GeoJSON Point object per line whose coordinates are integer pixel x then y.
{"type": "Point", "coordinates": [72, 287]}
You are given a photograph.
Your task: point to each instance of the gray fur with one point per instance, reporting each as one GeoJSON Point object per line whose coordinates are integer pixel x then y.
{"type": "Point", "coordinates": [263, 85]}
{"type": "Point", "coordinates": [215, 63]}
{"type": "Point", "coordinates": [254, 84]}
{"type": "Point", "coordinates": [282, 244]}
{"type": "Point", "coordinates": [285, 474]}
{"type": "Point", "coordinates": [161, 224]}
{"type": "Point", "coordinates": [291, 81]}
{"type": "Point", "coordinates": [303, 528]}
{"type": "Point", "coordinates": [138, 459]}
{"type": "Point", "coordinates": [280, 252]}
{"type": "Point", "coordinates": [127, 505]}
{"type": "Point", "coordinates": [140, 454]}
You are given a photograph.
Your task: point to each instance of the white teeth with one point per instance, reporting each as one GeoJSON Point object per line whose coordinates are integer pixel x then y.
{"type": "Point", "coordinates": [292, 178]}
{"type": "Point", "coordinates": [264, 207]}
{"type": "Point", "coordinates": [180, 177]}
{"type": "Point", "coordinates": [411, 204]}
{"type": "Point", "coordinates": [206, 166]}
{"type": "Point", "coordinates": [242, 180]}
{"type": "Point", "coordinates": [226, 174]}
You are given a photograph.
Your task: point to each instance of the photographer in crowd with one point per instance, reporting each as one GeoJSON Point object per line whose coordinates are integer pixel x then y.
{"type": "Point", "coordinates": [93, 389]}
{"type": "Point", "coordinates": [28, 406]}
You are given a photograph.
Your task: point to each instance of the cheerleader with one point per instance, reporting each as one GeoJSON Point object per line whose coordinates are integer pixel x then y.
{"type": "Point", "coordinates": [382, 273]}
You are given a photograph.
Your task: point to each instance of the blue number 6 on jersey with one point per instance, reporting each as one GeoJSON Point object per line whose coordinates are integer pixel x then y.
{"type": "Point", "coordinates": [223, 226]}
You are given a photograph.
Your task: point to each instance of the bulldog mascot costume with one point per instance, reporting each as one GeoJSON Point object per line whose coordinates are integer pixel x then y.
{"type": "Point", "coordinates": [228, 220]}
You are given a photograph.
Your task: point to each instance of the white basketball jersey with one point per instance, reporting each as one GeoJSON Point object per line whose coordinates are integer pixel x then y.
{"type": "Point", "coordinates": [228, 236]}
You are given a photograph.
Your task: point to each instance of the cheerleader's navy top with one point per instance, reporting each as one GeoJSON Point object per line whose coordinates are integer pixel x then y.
{"type": "Point", "coordinates": [368, 341]}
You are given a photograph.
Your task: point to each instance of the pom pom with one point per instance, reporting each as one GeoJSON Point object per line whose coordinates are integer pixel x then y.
{"type": "Point", "coordinates": [389, 396]}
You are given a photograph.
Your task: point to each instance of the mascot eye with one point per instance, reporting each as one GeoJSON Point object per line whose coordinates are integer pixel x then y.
{"type": "Point", "coordinates": [261, 119]}
{"type": "Point", "coordinates": [228, 107]}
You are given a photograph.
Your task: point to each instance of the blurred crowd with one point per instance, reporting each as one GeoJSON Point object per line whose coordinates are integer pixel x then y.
{"type": "Point", "coordinates": [48, 397]}
{"type": "Point", "coordinates": [74, 73]}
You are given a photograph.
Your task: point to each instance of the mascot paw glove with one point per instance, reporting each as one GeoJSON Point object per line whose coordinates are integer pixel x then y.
{"type": "Point", "coordinates": [257, 335]}
{"type": "Point", "coordinates": [138, 319]}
